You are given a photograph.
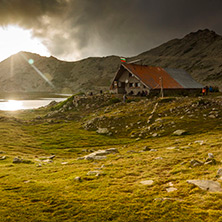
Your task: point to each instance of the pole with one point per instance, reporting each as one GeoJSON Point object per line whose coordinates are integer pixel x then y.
{"type": "Point", "coordinates": [161, 86]}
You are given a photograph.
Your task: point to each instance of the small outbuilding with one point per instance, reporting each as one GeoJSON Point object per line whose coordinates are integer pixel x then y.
{"type": "Point", "coordinates": [136, 79]}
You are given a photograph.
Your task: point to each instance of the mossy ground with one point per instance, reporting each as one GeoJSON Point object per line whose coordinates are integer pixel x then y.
{"type": "Point", "coordinates": [51, 193]}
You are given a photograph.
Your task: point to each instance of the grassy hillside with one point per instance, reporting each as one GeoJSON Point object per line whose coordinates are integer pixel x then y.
{"type": "Point", "coordinates": [67, 187]}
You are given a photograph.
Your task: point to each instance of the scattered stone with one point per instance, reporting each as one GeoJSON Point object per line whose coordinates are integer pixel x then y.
{"type": "Point", "coordinates": [80, 158]}
{"type": "Point", "coordinates": [39, 165]}
{"type": "Point", "coordinates": [64, 163]}
{"type": "Point", "coordinates": [78, 179]}
{"type": "Point", "coordinates": [170, 184]}
{"type": "Point", "coordinates": [201, 142]}
{"type": "Point", "coordinates": [146, 148]}
{"type": "Point", "coordinates": [171, 148]}
{"type": "Point", "coordinates": [51, 157]}
{"type": "Point", "coordinates": [94, 173]}
{"type": "Point", "coordinates": [17, 160]}
{"type": "Point", "coordinates": [219, 172]}
{"type": "Point", "coordinates": [137, 139]}
{"type": "Point", "coordinates": [147, 182]}
{"type": "Point", "coordinates": [2, 157]}
{"type": "Point", "coordinates": [179, 132]}
{"type": "Point", "coordinates": [171, 189]}
{"type": "Point", "coordinates": [154, 135]}
{"type": "Point", "coordinates": [102, 131]}
{"type": "Point", "coordinates": [99, 155]}
{"type": "Point", "coordinates": [210, 155]}
{"type": "Point", "coordinates": [112, 150]}
{"type": "Point", "coordinates": [27, 181]}
{"type": "Point", "coordinates": [47, 161]}
{"type": "Point", "coordinates": [158, 158]}
{"type": "Point", "coordinates": [212, 116]}
{"type": "Point", "coordinates": [195, 163]}
{"type": "Point", "coordinates": [153, 150]}
{"type": "Point", "coordinates": [207, 185]}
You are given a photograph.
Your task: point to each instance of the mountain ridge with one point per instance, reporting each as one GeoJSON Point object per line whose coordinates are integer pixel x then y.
{"type": "Point", "coordinates": [199, 53]}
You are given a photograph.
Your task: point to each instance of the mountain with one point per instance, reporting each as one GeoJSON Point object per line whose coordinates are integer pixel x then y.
{"type": "Point", "coordinates": [199, 53]}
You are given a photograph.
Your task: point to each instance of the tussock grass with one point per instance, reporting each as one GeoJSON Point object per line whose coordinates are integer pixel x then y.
{"type": "Point", "coordinates": [50, 192]}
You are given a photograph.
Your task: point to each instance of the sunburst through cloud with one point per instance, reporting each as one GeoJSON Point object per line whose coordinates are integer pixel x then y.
{"type": "Point", "coordinates": [14, 39]}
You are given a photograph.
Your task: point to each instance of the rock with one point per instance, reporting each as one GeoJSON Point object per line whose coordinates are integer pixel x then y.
{"type": "Point", "coordinates": [78, 179]}
{"type": "Point", "coordinates": [146, 148]}
{"type": "Point", "coordinates": [219, 172]}
{"type": "Point", "coordinates": [212, 116]}
{"type": "Point", "coordinates": [210, 161]}
{"type": "Point", "coordinates": [2, 157]}
{"type": "Point", "coordinates": [170, 184]}
{"type": "Point", "coordinates": [196, 163]}
{"type": "Point", "coordinates": [102, 131]}
{"type": "Point", "coordinates": [100, 157]}
{"type": "Point", "coordinates": [171, 189]}
{"type": "Point", "coordinates": [201, 142]}
{"type": "Point", "coordinates": [94, 173]}
{"type": "Point", "coordinates": [80, 158]}
{"type": "Point", "coordinates": [207, 185]}
{"type": "Point", "coordinates": [100, 154]}
{"type": "Point", "coordinates": [210, 155]}
{"type": "Point", "coordinates": [47, 161]}
{"type": "Point", "coordinates": [27, 181]}
{"type": "Point", "coordinates": [171, 148]}
{"type": "Point", "coordinates": [179, 132]}
{"type": "Point", "coordinates": [64, 163]}
{"type": "Point", "coordinates": [158, 158]}
{"type": "Point", "coordinates": [51, 157]}
{"type": "Point", "coordinates": [112, 150]}
{"type": "Point", "coordinates": [147, 182]}
{"type": "Point", "coordinates": [153, 150]}
{"type": "Point", "coordinates": [154, 135]}
{"type": "Point", "coordinates": [17, 160]}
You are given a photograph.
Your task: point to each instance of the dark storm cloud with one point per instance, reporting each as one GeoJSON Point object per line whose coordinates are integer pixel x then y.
{"type": "Point", "coordinates": [82, 28]}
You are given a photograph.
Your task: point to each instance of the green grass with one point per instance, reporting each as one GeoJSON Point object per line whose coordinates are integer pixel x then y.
{"type": "Point", "coordinates": [51, 193]}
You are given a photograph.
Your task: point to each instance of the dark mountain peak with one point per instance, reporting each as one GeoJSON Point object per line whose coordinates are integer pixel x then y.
{"type": "Point", "coordinates": [205, 34]}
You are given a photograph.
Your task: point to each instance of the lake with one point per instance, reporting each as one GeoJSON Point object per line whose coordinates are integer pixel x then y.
{"type": "Point", "coordinates": [20, 101]}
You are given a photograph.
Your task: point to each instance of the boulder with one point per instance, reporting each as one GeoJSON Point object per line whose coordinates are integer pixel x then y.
{"type": "Point", "coordinates": [207, 185]}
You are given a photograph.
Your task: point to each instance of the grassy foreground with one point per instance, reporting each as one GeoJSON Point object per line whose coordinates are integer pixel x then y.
{"type": "Point", "coordinates": [38, 190]}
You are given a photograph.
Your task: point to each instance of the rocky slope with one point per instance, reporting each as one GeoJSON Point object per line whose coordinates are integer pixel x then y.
{"type": "Point", "coordinates": [199, 53]}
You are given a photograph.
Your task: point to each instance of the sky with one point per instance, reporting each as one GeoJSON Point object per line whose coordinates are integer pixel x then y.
{"type": "Point", "coordinates": [75, 29]}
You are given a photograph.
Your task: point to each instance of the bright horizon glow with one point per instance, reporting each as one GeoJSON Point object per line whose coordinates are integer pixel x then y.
{"type": "Point", "coordinates": [14, 39]}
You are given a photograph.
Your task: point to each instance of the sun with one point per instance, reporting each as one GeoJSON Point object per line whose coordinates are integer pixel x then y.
{"type": "Point", "coordinates": [14, 39]}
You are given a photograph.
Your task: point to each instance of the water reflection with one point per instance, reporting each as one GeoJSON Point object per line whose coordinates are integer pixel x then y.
{"type": "Point", "coordinates": [14, 105]}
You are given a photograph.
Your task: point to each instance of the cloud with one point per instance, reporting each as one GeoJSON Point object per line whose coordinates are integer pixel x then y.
{"type": "Point", "coordinates": [73, 29]}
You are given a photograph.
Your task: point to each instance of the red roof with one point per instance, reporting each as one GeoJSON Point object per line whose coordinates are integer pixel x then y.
{"type": "Point", "coordinates": [151, 76]}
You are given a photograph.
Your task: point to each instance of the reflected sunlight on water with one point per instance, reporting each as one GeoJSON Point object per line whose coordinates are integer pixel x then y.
{"type": "Point", "coordinates": [11, 105]}
{"type": "Point", "coordinates": [14, 105]}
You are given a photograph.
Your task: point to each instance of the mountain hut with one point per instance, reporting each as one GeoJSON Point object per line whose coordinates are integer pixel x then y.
{"type": "Point", "coordinates": [133, 79]}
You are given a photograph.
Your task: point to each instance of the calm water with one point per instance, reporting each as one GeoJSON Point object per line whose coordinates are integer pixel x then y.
{"type": "Point", "coordinates": [24, 102]}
